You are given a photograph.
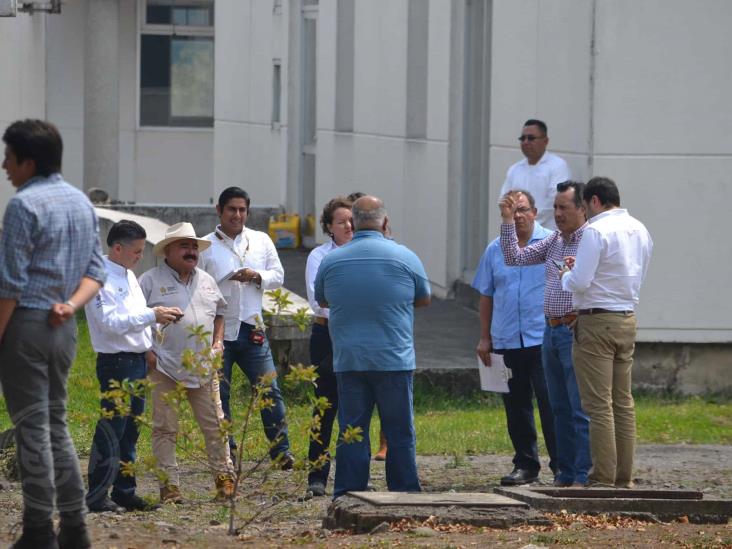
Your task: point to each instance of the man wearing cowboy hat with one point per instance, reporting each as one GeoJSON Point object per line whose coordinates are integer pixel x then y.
{"type": "Point", "coordinates": [178, 283]}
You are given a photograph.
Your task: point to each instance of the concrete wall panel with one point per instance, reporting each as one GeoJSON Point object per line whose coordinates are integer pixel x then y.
{"type": "Point", "coordinates": [663, 77]}
{"type": "Point", "coordinates": [174, 167]}
{"type": "Point", "coordinates": [380, 67]}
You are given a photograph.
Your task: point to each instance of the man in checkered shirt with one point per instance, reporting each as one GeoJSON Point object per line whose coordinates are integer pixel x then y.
{"type": "Point", "coordinates": [570, 421]}
{"type": "Point", "coordinates": [50, 265]}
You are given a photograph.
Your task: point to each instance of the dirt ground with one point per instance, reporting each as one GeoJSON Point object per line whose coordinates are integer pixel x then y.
{"type": "Point", "coordinates": [202, 523]}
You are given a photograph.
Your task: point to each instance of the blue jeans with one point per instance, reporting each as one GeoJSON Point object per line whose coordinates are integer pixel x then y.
{"type": "Point", "coordinates": [115, 439]}
{"type": "Point", "coordinates": [571, 424]}
{"type": "Point", "coordinates": [392, 393]}
{"type": "Point", "coordinates": [255, 361]}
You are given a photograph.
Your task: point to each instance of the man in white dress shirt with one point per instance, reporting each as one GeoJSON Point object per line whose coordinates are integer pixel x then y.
{"type": "Point", "coordinates": [244, 264]}
{"type": "Point", "coordinates": [120, 329]}
{"type": "Point", "coordinates": [539, 173]}
{"type": "Point", "coordinates": [605, 279]}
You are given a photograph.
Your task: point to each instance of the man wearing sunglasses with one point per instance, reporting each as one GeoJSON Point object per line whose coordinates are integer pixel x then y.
{"type": "Point", "coordinates": [539, 173]}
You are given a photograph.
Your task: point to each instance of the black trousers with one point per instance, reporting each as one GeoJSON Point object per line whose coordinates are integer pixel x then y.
{"type": "Point", "coordinates": [528, 380]}
{"type": "Point", "coordinates": [321, 355]}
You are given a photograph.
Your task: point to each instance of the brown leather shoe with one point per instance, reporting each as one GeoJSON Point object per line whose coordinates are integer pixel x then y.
{"type": "Point", "coordinates": [170, 493]}
{"type": "Point", "coordinates": [224, 487]}
{"type": "Point", "coordinates": [381, 454]}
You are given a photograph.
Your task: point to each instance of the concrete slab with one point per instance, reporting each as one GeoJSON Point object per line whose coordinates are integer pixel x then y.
{"type": "Point", "coordinates": [664, 505]}
{"type": "Point", "coordinates": [353, 512]}
{"type": "Point", "coordinates": [464, 499]}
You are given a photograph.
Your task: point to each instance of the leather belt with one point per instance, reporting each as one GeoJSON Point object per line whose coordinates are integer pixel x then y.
{"type": "Point", "coordinates": [598, 310]}
{"type": "Point", "coordinates": [562, 321]}
{"type": "Point", "coordinates": [320, 320]}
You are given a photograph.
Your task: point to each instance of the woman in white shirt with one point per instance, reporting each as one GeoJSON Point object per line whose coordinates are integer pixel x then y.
{"type": "Point", "coordinates": [336, 223]}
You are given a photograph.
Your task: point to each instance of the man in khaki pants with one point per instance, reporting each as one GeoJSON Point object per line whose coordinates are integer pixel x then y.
{"type": "Point", "coordinates": [605, 279]}
{"type": "Point", "coordinates": [178, 283]}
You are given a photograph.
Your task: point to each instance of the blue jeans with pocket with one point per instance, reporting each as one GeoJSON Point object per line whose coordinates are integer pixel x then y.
{"type": "Point", "coordinates": [115, 439]}
{"type": "Point", "coordinates": [571, 424]}
{"type": "Point", "coordinates": [391, 392]}
{"type": "Point", "coordinates": [255, 361]}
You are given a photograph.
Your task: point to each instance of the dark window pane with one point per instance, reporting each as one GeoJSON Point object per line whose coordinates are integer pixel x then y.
{"type": "Point", "coordinates": [155, 80]}
{"type": "Point", "coordinates": [158, 15]}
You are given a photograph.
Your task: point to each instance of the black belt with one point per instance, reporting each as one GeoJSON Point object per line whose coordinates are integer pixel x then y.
{"type": "Point", "coordinates": [122, 353]}
{"type": "Point", "coordinates": [598, 310]}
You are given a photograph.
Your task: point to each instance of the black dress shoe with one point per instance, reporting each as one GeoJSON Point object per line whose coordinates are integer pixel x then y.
{"type": "Point", "coordinates": [73, 537]}
{"type": "Point", "coordinates": [519, 477]}
{"type": "Point", "coordinates": [39, 537]}
{"type": "Point", "coordinates": [317, 489]}
{"type": "Point", "coordinates": [134, 503]}
{"type": "Point", "coordinates": [104, 505]}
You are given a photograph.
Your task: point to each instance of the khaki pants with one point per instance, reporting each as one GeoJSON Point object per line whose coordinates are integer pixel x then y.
{"type": "Point", "coordinates": [603, 360]}
{"type": "Point", "coordinates": [206, 405]}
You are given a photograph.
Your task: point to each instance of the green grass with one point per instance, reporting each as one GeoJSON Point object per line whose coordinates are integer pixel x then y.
{"type": "Point", "coordinates": [472, 424]}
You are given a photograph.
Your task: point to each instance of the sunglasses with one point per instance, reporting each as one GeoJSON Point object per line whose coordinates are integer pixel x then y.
{"type": "Point", "coordinates": [529, 138]}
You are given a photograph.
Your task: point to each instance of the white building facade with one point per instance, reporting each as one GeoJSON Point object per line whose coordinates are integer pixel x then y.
{"type": "Point", "coordinates": [419, 102]}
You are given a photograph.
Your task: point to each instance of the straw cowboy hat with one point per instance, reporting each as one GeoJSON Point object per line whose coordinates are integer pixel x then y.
{"type": "Point", "coordinates": [179, 231]}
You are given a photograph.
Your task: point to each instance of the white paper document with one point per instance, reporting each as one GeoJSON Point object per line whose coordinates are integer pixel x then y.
{"type": "Point", "coordinates": [494, 378]}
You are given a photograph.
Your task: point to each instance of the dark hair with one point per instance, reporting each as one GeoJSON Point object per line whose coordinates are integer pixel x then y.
{"type": "Point", "coordinates": [529, 196]}
{"type": "Point", "coordinates": [124, 232]}
{"type": "Point", "coordinates": [578, 187]}
{"type": "Point", "coordinates": [36, 140]}
{"type": "Point", "coordinates": [604, 189]}
{"type": "Point", "coordinates": [232, 192]}
{"type": "Point", "coordinates": [326, 218]}
{"type": "Point", "coordinates": [541, 125]}
{"type": "Point", "coordinates": [355, 196]}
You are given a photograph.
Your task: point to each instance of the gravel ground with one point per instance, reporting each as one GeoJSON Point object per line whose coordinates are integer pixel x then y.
{"type": "Point", "coordinates": [201, 523]}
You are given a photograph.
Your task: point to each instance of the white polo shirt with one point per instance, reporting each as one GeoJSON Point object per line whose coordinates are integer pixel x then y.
{"type": "Point", "coordinates": [119, 319]}
{"type": "Point", "coordinates": [541, 181]}
{"type": "Point", "coordinates": [252, 249]}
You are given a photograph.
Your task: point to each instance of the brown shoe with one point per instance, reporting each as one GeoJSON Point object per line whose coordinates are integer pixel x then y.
{"type": "Point", "coordinates": [170, 493]}
{"type": "Point", "coordinates": [224, 487]}
{"type": "Point", "coordinates": [381, 454]}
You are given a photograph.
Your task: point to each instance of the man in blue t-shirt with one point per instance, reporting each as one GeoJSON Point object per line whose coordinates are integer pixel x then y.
{"type": "Point", "coordinates": [372, 286]}
{"type": "Point", "coordinates": [512, 324]}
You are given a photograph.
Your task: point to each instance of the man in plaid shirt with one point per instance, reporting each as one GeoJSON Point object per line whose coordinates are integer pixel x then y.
{"type": "Point", "coordinates": [50, 266]}
{"type": "Point", "coordinates": [570, 421]}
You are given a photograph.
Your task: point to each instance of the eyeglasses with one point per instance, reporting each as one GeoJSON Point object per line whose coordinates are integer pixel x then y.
{"type": "Point", "coordinates": [530, 138]}
{"type": "Point", "coordinates": [523, 211]}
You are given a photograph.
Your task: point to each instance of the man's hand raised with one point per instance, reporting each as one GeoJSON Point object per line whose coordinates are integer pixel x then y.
{"type": "Point", "coordinates": [508, 205]}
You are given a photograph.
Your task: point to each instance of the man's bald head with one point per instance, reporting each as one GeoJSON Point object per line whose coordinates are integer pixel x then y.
{"type": "Point", "coordinates": [369, 214]}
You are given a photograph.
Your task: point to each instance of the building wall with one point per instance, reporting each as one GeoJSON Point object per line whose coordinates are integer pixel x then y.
{"type": "Point", "coordinates": [249, 151]}
{"type": "Point", "coordinates": [23, 66]}
{"type": "Point", "coordinates": [155, 165]}
{"type": "Point", "coordinates": [662, 119]}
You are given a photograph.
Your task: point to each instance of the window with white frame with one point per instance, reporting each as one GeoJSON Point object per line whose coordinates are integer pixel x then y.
{"type": "Point", "coordinates": [177, 63]}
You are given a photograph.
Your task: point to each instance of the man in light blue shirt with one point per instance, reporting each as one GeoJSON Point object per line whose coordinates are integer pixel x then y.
{"type": "Point", "coordinates": [512, 324]}
{"type": "Point", "coordinates": [371, 286]}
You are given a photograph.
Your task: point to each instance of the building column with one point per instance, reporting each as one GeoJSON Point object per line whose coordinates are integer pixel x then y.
{"type": "Point", "coordinates": [101, 96]}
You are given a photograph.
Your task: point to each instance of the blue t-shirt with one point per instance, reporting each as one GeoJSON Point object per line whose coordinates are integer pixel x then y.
{"type": "Point", "coordinates": [370, 285]}
{"type": "Point", "coordinates": [518, 296]}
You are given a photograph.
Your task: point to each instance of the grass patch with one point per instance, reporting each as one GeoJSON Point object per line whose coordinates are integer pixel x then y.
{"type": "Point", "coordinates": [446, 425]}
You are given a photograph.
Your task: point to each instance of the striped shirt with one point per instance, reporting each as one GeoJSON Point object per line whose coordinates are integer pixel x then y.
{"type": "Point", "coordinates": [557, 302]}
{"type": "Point", "coordinates": [50, 241]}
